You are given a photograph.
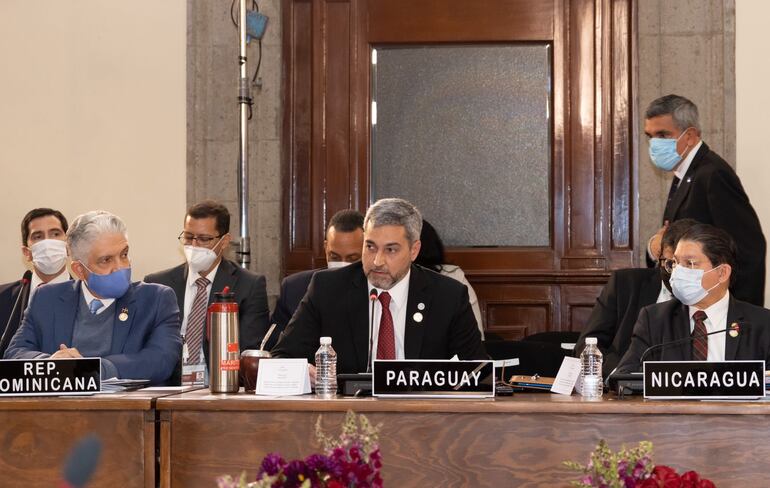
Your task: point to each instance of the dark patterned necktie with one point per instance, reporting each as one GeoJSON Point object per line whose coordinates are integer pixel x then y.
{"type": "Point", "coordinates": [700, 344]}
{"type": "Point", "coordinates": [386, 337]}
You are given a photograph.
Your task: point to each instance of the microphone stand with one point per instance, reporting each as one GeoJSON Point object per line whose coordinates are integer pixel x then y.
{"type": "Point", "coordinates": [372, 298]}
{"type": "Point", "coordinates": [7, 334]}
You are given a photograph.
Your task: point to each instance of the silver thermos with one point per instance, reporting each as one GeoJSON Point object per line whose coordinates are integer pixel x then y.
{"type": "Point", "coordinates": [224, 351]}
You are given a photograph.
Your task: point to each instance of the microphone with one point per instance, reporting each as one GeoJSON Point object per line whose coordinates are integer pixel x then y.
{"type": "Point", "coordinates": [7, 334]}
{"type": "Point", "coordinates": [81, 462]}
{"type": "Point", "coordinates": [372, 298]}
{"type": "Point", "coordinates": [734, 329]}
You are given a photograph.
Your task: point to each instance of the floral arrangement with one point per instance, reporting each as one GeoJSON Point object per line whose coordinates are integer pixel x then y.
{"type": "Point", "coordinates": [351, 459]}
{"type": "Point", "coordinates": [632, 468]}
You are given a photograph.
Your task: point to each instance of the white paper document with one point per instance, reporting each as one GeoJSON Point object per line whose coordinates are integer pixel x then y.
{"type": "Point", "coordinates": [567, 376]}
{"type": "Point", "coordinates": [281, 377]}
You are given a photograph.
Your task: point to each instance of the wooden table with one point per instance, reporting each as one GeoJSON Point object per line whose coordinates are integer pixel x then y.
{"type": "Point", "coordinates": [37, 434]}
{"type": "Point", "coordinates": [519, 441]}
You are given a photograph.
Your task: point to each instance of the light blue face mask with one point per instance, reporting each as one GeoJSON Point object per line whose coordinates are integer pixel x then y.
{"type": "Point", "coordinates": [663, 152]}
{"type": "Point", "coordinates": [686, 284]}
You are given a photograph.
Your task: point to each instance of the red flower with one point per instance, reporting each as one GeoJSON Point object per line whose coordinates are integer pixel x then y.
{"type": "Point", "coordinates": [666, 477]}
{"type": "Point", "coordinates": [334, 484]}
{"type": "Point", "coordinates": [648, 483]}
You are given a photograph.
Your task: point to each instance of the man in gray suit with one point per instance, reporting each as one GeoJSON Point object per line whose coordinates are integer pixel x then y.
{"type": "Point", "coordinates": [205, 237]}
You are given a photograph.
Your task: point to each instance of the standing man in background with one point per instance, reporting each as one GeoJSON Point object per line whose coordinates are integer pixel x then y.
{"type": "Point", "coordinates": [44, 247]}
{"type": "Point", "coordinates": [205, 238]}
{"type": "Point", "coordinates": [704, 188]}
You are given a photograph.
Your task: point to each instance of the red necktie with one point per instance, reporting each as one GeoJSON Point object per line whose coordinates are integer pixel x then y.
{"type": "Point", "coordinates": [386, 338]}
{"type": "Point", "coordinates": [700, 345]}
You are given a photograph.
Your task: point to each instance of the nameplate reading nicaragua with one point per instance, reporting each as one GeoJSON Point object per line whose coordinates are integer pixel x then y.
{"type": "Point", "coordinates": [26, 377]}
{"type": "Point", "coordinates": [428, 378]}
{"type": "Point", "coordinates": [704, 379]}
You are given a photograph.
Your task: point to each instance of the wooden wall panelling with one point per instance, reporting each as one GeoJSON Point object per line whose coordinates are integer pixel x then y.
{"type": "Point", "coordinates": [577, 301]}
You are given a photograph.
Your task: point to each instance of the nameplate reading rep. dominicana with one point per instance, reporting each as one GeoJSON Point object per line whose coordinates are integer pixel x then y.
{"type": "Point", "coordinates": [25, 377]}
{"type": "Point", "coordinates": [433, 378]}
{"type": "Point", "coordinates": [704, 379]}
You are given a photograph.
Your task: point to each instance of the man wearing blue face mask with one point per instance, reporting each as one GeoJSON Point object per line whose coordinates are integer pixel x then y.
{"type": "Point", "coordinates": [704, 188]}
{"type": "Point", "coordinates": [719, 326]}
{"type": "Point", "coordinates": [133, 327]}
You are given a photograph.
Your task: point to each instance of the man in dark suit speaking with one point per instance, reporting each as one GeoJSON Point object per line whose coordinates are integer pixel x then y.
{"type": "Point", "coordinates": [418, 314]}
{"type": "Point", "coordinates": [702, 271]}
{"type": "Point", "coordinates": [205, 237]}
{"type": "Point", "coordinates": [133, 327]}
{"type": "Point", "coordinates": [704, 188]}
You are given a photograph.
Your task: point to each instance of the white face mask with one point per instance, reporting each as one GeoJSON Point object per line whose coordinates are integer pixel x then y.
{"type": "Point", "coordinates": [49, 255]}
{"type": "Point", "coordinates": [686, 284]}
{"type": "Point", "coordinates": [199, 258]}
{"type": "Point", "coordinates": [337, 264]}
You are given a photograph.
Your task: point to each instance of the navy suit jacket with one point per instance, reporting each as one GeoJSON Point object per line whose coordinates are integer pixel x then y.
{"type": "Point", "coordinates": [10, 318]}
{"type": "Point", "coordinates": [337, 305]}
{"type": "Point", "coordinates": [145, 346]}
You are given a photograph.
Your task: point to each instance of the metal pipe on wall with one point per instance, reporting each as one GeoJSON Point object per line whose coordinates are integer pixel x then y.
{"type": "Point", "coordinates": [244, 102]}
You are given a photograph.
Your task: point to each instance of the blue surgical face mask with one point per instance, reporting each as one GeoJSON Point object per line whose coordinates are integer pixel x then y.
{"type": "Point", "coordinates": [687, 284]}
{"type": "Point", "coordinates": [111, 285]}
{"type": "Point", "coordinates": [663, 152]}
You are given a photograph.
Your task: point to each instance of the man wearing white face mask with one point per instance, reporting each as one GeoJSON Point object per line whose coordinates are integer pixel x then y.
{"type": "Point", "coordinates": [206, 237]}
{"type": "Point", "coordinates": [704, 188]}
{"type": "Point", "coordinates": [44, 247]}
{"type": "Point", "coordinates": [719, 327]}
{"type": "Point", "coordinates": [342, 246]}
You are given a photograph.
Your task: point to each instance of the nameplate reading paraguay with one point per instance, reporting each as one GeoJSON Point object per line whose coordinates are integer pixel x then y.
{"type": "Point", "coordinates": [38, 377]}
{"type": "Point", "coordinates": [428, 378]}
{"type": "Point", "coordinates": [704, 379]}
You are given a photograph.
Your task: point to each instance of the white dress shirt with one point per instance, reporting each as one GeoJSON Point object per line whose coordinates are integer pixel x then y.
{"type": "Point", "coordinates": [399, 295]}
{"type": "Point", "coordinates": [664, 294]}
{"type": "Point", "coordinates": [716, 319]}
{"type": "Point", "coordinates": [681, 170]}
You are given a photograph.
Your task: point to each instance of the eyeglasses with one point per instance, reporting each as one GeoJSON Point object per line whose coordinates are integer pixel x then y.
{"type": "Point", "coordinates": [670, 264]}
{"type": "Point", "coordinates": [205, 241]}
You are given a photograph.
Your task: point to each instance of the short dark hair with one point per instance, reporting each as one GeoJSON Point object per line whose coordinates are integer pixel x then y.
{"type": "Point", "coordinates": [431, 254]}
{"type": "Point", "coordinates": [210, 208]}
{"type": "Point", "coordinates": [674, 232]}
{"type": "Point", "coordinates": [682, 111]}
{"type": "Point", "coordinates": [36, 214]}
{"type": "Point", "coordinates": [717, 245]}
{"type": "Point", "coordinates": [347, 220]}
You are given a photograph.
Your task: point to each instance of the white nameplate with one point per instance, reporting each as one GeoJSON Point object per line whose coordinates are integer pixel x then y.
{"type": "Point", "coordinates": [568, 374]}
{"type": "Point", "coordinates": [280, 377]}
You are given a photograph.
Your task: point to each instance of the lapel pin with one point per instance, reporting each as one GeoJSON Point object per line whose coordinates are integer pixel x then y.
{"type": "Point", "coordinates": [417, 317]}
{"type": "Point", "coordinates": [689, 179]}
{"type": "Point", "coordinates": [735, 329]}
{"type": "Point", "coordinates": [123, 315]}
{"type": "Point", "coordinates": [420, 306]}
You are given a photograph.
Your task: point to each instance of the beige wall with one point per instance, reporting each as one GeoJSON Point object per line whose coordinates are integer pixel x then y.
{"type": "Point", "coordinates": [752, 73]}
{"type": "Point", "coordinates": [92, 104]}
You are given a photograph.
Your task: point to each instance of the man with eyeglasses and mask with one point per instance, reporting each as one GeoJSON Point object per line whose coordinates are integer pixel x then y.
{"type": "Point", "coordinates": [44, 247]}
{"type": "Point", "coordinates": [702, 271]}
{"type": "Point", "coordinates": [132, 327]}
{"type": "Point", "coordinates": [206, 237]}
{"type": "Point", "coordinates": [704, 188]}
{"type": "Point", "coordinates": [625, 294]}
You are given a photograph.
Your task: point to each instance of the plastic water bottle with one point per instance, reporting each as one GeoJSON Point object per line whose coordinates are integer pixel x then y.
{"type": "Point", "coordinates": [326, 370]}
{"type": "Point", "coordinates": [591, 370]}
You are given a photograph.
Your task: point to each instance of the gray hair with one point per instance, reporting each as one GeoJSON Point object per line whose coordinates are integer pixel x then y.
{"type": "Point", "coordinates": [395, 211]}
{"type": "Point", "coordinates": [86, 228]}
{"type": "Point", "coordinates": [682, 110]}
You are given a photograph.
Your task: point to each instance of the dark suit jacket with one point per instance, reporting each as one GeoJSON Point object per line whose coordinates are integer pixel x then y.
{"type": "Point", "coordinates": [293, 288]}
{"type": "Point", "coordinates": [250, 294]}
{"type": "Point", "coordinates": [617, 308]}
{"type": "Point", "coordinates": [9, 324]}
{"type": "Point", "coordinates": [670, 321]}
{"type": "Point", "coordinates": [337, 305]}
{"type": "Point", "coordinates": [711, 193]}
{"type": "Point", "coordinates": [145, 346]}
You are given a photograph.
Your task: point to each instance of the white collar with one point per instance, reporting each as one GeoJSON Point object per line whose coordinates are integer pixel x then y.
{"type": "Point", "coordinates": [60, 278]}
{"type": "Point", "coordinates": [106, 302]}
{"type": "Point", "coordinates": [681, 170]}
{"type": "Point", "coordinates": [192, 277]}
{"type": "Point", "coordinates": [399, 293]}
